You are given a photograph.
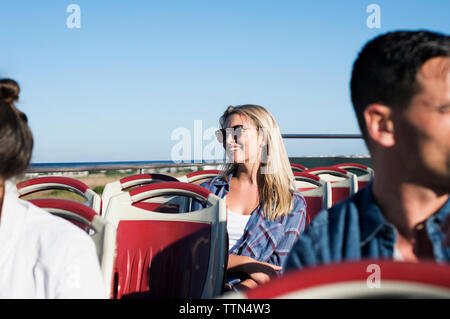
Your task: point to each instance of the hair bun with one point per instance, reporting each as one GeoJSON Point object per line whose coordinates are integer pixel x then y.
{"type": "Point", "coordinates": [9, 90]}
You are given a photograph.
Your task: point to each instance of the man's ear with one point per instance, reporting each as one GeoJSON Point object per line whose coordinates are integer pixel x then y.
{"type": "Point", "coordinates": [380, 125]}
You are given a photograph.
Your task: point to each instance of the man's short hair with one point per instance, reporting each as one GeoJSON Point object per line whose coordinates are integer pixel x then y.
{"type": "Point", "coordinates": [386, 68]}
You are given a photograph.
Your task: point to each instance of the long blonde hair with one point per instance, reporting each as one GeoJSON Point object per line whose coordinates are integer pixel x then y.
{"type": "Point", "coordinates": [275, 172]}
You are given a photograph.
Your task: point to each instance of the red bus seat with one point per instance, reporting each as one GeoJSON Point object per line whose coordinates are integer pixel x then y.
{"type": "Point", "coordinates": [126, 183]}
{"type": "Point", "coordinates": [363, 173]}
{"type": "Point", "coordinates": [317, 193]}
{"type": "Point", "coordinates": [197, 177]}
{"type": "Point", "coordinates": [298, 167]}
{"type": "Point", "coordinates": [358, 280]}
{"type": "Point", "coordinates": [343, 183]}
{"type": "Point", "coordinates": [38, 184]}
{"type": "Point", "coordinates": [162, 255]}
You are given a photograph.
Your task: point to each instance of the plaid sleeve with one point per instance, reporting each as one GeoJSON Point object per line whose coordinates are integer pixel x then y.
{"type": "Point", "coordinates": [294, 225]}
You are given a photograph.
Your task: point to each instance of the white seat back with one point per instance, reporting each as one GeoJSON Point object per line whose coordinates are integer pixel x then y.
{"type": "Point", "coordinates": [316, 191]}
{"type": "Point", "coordinates": [160, 232]}
{"type": "Point", "coordinates": [114, 188]}
{"type": "Point", "coordinates": [343, 183]}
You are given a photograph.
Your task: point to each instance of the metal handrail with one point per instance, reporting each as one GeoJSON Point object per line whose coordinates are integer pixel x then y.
{"type": "Point", "coordinates": [331, 136]}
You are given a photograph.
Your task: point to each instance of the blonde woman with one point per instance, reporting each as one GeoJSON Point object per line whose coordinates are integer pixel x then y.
{"type": "Point", "coordinates": [265, 214]}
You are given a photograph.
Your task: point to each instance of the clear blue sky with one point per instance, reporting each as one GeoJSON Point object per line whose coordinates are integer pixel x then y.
{"type": "Point", "coordinates": [115, 89]}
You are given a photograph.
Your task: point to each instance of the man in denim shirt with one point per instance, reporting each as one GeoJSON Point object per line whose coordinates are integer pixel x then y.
{"type": "Point", "coordinates": [400, 91]}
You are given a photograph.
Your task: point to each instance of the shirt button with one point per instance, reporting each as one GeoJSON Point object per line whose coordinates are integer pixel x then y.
{"type": "Point", "coordinates": [420, 226]}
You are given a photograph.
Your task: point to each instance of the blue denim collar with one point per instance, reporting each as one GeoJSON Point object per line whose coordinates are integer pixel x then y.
{"type": "Point", "coordinates": [373, 220]}
{"type": "Point", "coordinates": [442, 213]}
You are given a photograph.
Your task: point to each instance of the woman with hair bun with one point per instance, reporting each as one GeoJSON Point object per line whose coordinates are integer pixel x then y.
{"type": "Point", "coordinates": [41, 255]}
{"type": "Point", "coordinates": [265, 214]}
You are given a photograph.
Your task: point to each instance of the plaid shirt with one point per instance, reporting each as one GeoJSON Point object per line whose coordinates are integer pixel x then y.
{"type": "Point", "coordinates": [265, 240]}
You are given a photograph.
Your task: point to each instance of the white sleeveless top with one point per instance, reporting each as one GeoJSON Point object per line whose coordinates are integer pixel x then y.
{"type": "Point", "coordinates": [235, 226]}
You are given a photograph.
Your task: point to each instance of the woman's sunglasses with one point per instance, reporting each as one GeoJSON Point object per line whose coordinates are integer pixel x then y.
{"type": "Point", "coordinates": [236, 131]}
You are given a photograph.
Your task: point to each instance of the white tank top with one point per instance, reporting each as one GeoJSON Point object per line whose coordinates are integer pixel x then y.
{"type": "Point", "coordinates": [235, 226]}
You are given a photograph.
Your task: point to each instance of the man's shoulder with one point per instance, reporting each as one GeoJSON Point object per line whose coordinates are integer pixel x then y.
{"type": "Point", "coordinates": [330, 235]}
{"type": "Point", "coordinates": [339, 213]}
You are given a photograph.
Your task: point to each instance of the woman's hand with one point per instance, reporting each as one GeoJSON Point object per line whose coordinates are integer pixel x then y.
{"type": "Point", "coordinates": [260, 272]}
